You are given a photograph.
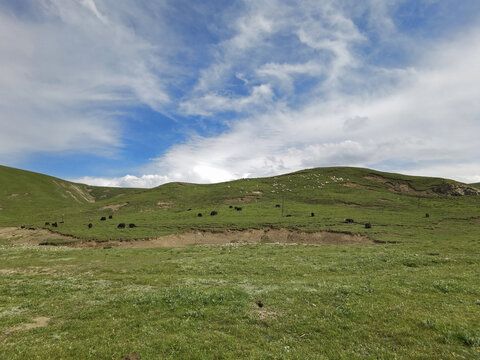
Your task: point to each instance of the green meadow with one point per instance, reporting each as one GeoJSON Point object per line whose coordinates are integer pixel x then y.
{"type": "Point", "coordinates": [411, 292]}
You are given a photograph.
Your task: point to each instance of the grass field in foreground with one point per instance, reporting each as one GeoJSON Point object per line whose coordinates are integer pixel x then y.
{"type": "Point", "coordinates": [392, 301]}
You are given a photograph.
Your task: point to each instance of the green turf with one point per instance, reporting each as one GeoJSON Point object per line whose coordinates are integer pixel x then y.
{"type": "Point", "coordinates": [414, 296]}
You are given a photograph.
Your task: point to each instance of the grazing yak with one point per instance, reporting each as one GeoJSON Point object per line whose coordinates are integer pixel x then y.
{"type": "Point", "coordinates": [427, 215]}
{"type": "Point", "coordinates": [238, 208]}
{"type": "Point", "coordinates": [121, 226]}
{"type": "Point", "coordinates": [213, 213]}
{"type": "Point", "coordinates": [90, 225]}
{"type": "Point", "coordinates": [277, 206]}
{"type": "Point", "coordinates": [132, 225]}
{"type": "Point", "coordinates": [110, 216]}
{"type": "Point", "coordinates": [368, 226]}
{"type": "Point", "coordinates": [312, 214]}
{"type": "Point", "coordinates": [349, 220]}
{"type": "Point", "coordinates": [103, 218]}
{"type": "Point", "coordinates": [47, 223]}
{"type": "Point", "coordinates": [54, 224]}
{"type": "Point", "coordinates": [199, 214]}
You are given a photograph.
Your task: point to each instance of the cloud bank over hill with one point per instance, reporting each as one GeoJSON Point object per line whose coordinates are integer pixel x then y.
{"type": "Point", "coordinates": [251, 88]}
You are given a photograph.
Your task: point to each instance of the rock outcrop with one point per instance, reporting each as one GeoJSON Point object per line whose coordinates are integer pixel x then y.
{"type": "Point", "coordinates": [456, 189]}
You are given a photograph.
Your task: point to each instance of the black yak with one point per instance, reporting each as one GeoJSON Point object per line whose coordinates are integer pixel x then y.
{"type": "Point", "coordinates": [103, 218]}
{"type": "Point", "coordinates": [90, 225]}
{"type": "Point", "coordinates": [368, 226]}
{"type": "Point", "coordinates": [132, 225]}
{"type": "Point", "coordinates": [213, 213]}
{"type": "Point", "coordinates": [121, 226]}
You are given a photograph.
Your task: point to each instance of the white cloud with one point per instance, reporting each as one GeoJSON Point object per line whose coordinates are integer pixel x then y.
{"type": "Point", "coordinates": [65, 76]}
{"type": "Point", "coordinates": [213, 103]}
{"type": "Point", "coordinates": [90, 4]}
{"type": "Point", "coordinates": [144, 181]}
{"type": "Point", "coordinates": [432, 117]}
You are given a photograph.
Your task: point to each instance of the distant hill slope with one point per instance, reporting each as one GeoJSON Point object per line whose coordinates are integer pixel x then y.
{"type": "Point", "coordinates": [330, 194]}
{"type": "Point", "coordinates": [30, 191]}
{"type": "Point", "coordinates": [476, 184]}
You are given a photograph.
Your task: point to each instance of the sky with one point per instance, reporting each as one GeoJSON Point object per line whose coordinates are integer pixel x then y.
{"type": "Point", "coordinates": [140, 93]}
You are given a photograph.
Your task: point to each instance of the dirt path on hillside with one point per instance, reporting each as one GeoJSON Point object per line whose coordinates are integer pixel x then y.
{"type": "Point", "coordinates": [252, 236]}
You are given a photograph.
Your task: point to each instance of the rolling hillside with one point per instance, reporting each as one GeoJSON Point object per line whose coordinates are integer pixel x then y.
{"type": "Point", "coordinates": [25, 195]}
{"type": "Point", "coordinates": [310, 200]}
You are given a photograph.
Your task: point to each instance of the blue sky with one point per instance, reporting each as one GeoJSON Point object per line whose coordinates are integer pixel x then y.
{"type": "Point", "coordinates": [139, 93]}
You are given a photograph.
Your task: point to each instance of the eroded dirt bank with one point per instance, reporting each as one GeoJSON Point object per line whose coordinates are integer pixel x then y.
{"type": "Point", "coordinates": [18, 236]}
{"type": "Point", "coordinates": [285, 236]}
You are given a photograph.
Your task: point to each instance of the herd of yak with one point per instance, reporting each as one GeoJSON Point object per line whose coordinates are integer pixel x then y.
{"type": "Point", "coordinates": [213, 213]}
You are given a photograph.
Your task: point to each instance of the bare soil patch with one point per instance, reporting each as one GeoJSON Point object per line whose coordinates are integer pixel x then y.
{"type": "Point", "coordinates": [402, 188]}
{"type": "Point", "coordinates": [242, 200]}
{"type": "Point", "coordinates": [114, 207]}
{"type": "Point", "coordinates": [37, 322]}
{"type": "Point", "coordinates": [351, 185]}
{"type": "Point", "coordinates": [348, 204]}
{"type": "Point", "coordinates": [75, 191]}
{"type": "Point", "coordinates": [264, 314]}
{"type": "Point", "coordinates": [164, 204]}
{"type": "Point", "coordinates": [252, 236]}
{"type": "Point", "coordinates": [30, 237]}
{"type": "Point", "coordinates": [14, 196]}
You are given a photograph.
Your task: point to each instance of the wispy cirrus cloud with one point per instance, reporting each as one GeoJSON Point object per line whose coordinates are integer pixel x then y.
{"type": "Point", "coordinates": [66, 73]}
{"type": "Point", "coordinates": [426, 121]}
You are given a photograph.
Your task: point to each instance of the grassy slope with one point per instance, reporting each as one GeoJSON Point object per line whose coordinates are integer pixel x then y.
{"type": "Point", "coordinates": [416, 299]}
{"type": "Point", "coordinates": [165, 209]}
{"type": "Point", "coordinates": [26, 197]}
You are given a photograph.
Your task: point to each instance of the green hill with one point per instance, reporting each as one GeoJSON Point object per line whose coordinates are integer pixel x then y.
{"type": "Point", "coordinates": [330, 194]}
{"type": "Point", "coordinates": [26, 196]}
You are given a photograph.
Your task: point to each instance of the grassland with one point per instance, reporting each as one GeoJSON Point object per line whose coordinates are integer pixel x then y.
{"type": "Point", "coordinates": [414, 294]}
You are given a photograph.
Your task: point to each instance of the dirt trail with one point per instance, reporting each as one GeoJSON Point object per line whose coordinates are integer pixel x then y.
{"type": "Point", "coordinates": [252, 236]}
